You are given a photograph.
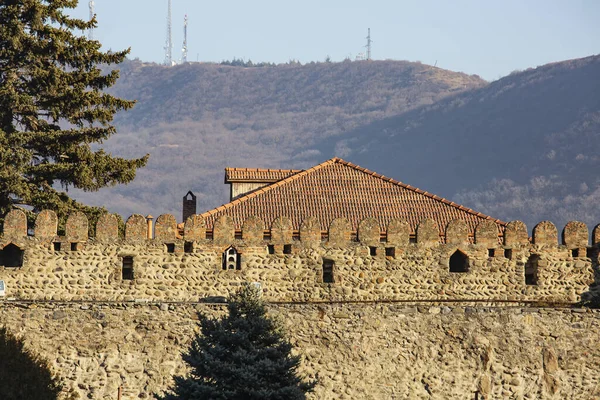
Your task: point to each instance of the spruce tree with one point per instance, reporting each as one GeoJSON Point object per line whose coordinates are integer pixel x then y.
{"type": "Point", "coordinates": [243, 355]}
{"type": "Point", "coordinates": [53, 108]}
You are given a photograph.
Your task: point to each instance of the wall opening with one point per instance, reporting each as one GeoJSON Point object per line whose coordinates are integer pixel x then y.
{"type": "Point", "coordinates": [508, 253]}
{"type": "Point", "coordinates": [590, 252]}
{"type": "Point", "coordinates": [170, 247]}
{"type": "Point", "coordinates": [531, 270]}
{"type": "Point", "coordinates": [491, 253]}
{"type": "Point", "coordinates": [372, 251]}
{"type": "Point", "coordinates": [328, 271]}
{"type": "Point", "coordinates": [127, 269]}
{"type": "Point", "coordinates": [287, 249]}
{"type": "Point", "coordinates": [390, 251]}
{"type": "Point", "coordinates": [11, 256]}
{"type": "Point", "coordinates": [271, 249]}
{"type": "Point", "coordinates": [74, 246]}
{"type": "Point", "coordinates": [56, 246]}
{"type": "Point", "coordinates": [231, 259]}
{"type": "Point", "coordinates": [574, 252]}
{"type": "Point", "coordinates": [459, 262]}
{"type": "Point", "coordinates": [188, 247]}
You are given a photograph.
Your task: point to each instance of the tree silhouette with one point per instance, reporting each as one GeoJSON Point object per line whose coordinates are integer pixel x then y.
{"type": "Point", "coordinates": [24, 375]}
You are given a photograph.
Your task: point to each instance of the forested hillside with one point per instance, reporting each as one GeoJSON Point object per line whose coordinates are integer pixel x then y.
{"type": "Point", "coordinates": [524, 147]}
{"type": "Point", "coordinates": [196, 119]}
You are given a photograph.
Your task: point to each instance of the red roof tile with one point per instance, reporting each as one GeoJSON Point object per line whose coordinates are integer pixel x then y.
{"type": "Point", "coordinates": [337, 188]}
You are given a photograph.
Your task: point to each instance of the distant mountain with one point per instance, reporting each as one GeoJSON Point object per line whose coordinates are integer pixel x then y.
{"type": "Point", "coordinates": [524, 147]}
{"type": "Point", "coordinates": [195, 119]}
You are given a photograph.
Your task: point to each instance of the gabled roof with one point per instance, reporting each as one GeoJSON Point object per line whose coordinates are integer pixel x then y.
{"type": "Point", "coordinates": [337, 188]}
{"type": "Point", "coordinates": [257, 174]}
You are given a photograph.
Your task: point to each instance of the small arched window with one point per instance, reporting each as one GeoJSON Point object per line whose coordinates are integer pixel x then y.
{"type": "Point", "coordinates": [11, 256]}
{"type": "Point", "coordinates": [459, 262]}
{"type": "Point", "coordinates": [231, 259]}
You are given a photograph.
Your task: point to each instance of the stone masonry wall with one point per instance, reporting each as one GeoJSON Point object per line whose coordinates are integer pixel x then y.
{"type": "Point", "coordinates": [356, 351]}
{"type": "Point", "coordinates": [380, 313]}
{"type": "Point", "coordinates": [168, 268]}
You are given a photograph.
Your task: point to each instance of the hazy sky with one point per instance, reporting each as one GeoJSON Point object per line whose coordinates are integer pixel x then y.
{"type": "Point", "coordinates": [488, 38]}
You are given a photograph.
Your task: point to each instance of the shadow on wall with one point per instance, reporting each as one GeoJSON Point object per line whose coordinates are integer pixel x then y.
{"type": "Point", "coordinates": [23, 374]}
{"type": "Point", "coordinates": [591, 298]}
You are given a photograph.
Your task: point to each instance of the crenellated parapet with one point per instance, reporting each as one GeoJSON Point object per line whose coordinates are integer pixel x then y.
{"type": "Point", "coordinates": [164, 261]}
{"type": "Point", "coordinates": [575, 235]}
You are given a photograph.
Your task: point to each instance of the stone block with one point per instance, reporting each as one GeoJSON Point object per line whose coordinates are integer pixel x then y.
{"type": "Point", "coordinates": [515, 234]}
{"type": "Point", "coordinates": [46, 224]}
{"type": "Point", "coordinates": [136, 228]}
{"type": "Point", "coordinates": [428, 233]}
{"type": "Point", "coordinates": [339, 232]}
{"type": "Point", "coordinates": [15, 224]}
{"type": "Point", "coordinates": [457, 232]}
{"type": "Point", "coordinates": [194, 228]}
{"type": "Point", "coordinates": [310, 232]}
{"type": "Point", "coordinates": [545, 234]}
{"type": "Point", "coordinates": [369, 231]}
{"type": "Point", "coordinates": [575, 235]}
{"type": "Point", "coordinates": [398, 233]}
{"type": "Point", "coordinates": [77, 227]}
{"type": "Point", "coordinates": [486, 233]}
{"type": "Point", "coordinates": [224, 230]}
{"type": "Point", "coordinates": [281, 231]}
{"type": "Point", "coordinates": [253, 230]}
{"type": "Point", "coordinates": [107, 228]}
{"type": "Point", "coordinates": [165, 229]}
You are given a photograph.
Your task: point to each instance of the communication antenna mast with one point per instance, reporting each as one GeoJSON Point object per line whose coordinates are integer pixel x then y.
{"type": "Point", "coordinates": [169, 41]}
{"type": "Point", "coordinates": [368, 46]}
{"type": "Point", "coordinates": [91, 30]}
{"type": "Point", "coordinates": [184, 48]}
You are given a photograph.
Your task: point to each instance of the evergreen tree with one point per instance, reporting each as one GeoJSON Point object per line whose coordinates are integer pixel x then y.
{"type": "Point", "coordinates": [243, 355]}
{"type": "Point", "coordinates": [24, 375]}
{"type": "Point", "coordinates": [53, 108]}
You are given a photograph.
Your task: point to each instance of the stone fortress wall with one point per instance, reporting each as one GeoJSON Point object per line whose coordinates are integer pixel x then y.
{"type": "Point", "coordinates": [376, 314]}
{"type": "Point", "coordinates": [305, 266]}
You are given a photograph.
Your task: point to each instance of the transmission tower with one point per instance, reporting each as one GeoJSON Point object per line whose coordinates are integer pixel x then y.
{"type": "Point", "coordinates": [169, 41]}
{"type": "Point", "coordinates": [368, 46]}
{"type": "Point", "coordinates": [91, 30]}
{"type": "Point", "coordinates": [184, 48]}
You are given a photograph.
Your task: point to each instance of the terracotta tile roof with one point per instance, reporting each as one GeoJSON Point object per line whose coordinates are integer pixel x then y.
{"type": "Point", "coordinates": [337, 188]}
{"type": "Point", "coordinates": [257, 174]}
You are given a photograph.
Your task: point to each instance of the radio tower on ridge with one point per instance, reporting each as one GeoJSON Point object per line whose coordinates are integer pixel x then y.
{"type": "Point", "coordinates": [91, 30]}
{"type": "Point", "coordinates": [368, 46]}
{"type": "Point", "coordinates": [169, 41]}
{"type": "Point", "coordinates": [184, 48]}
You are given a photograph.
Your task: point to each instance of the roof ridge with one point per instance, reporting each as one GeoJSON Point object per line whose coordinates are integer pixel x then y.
{"type": "Point", "coordinates": [270, 187]}
{"type": "Point", "coordinates": [261, 169]}
{"type": "Point", "coordinates": [416, 190]}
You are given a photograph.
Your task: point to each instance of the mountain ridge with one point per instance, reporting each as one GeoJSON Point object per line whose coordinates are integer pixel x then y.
{"type": "Point", "coordinates": [536, 127]}
{"type": "Point", "coordinates": [196, 119]}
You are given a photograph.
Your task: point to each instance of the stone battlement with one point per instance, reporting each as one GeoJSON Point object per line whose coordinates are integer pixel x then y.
{"type": "Point", "coordinates": [498, 264]}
